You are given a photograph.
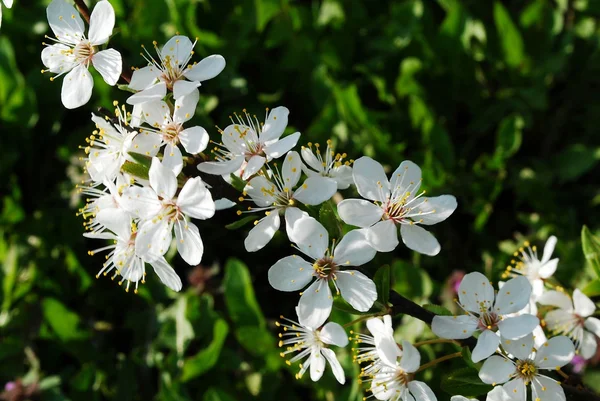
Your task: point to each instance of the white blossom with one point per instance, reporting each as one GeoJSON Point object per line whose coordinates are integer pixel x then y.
{"type": "Point", "coordinates": [574, 319]}
{"type": "Point", "coordinates": [162, 213]}
{"type": "Point", "coordinates": [311, 345]}
{"type": "Point", "coordinates": [247, 140]}
{"type": "Point", "coordinates": [276, 195]}
{"type": "Point", "coordinates": [73, 52]}
{"type": "Point", "coordinates": [366, 350]}
{"type": "Point", "coordinates": [329, 164]}
{"type": "Point", "coordinates": [486, 312]}
{"type": "Point", "coordinates": [329, 263]}
{"type": "Point", "coordinates": [171, 71]}
{"type": "Point", "coordinates": [394, 203]}
{"type": "Point", "coordinates": [524, 368]}
{"type": "Point", "coordinates": [536, 270]}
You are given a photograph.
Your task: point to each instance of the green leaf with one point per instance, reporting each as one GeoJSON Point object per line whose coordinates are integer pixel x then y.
{"type": "Point", "coordinates": [63, 322]}
{"type": "Point", "coordinates": [266, 10]}
{"type": "Point", "coordinates": [591, 249]}
{"type": "Point", "coordinates": [575, 161]}
{"type": "Point", "coordinates": [136, 169]}
{"type": "Point", "coordinates": [141, 159]}
{"type": "Point", "coordinates": [330, 221]}
{"type": "Point", "coordinates": [437, 309]}
{"type": "Point", "coordinates": [207, 358]}
{"type": "Point", "coordinates": [237, 182]}
{"type": "Point", "coordinates": [510, 37]}
{"type": "Point", "coordinates": [465, 382]}
{"type": "Point", "coordinates": [508, 139]}
{"type": "Point", "coordinates": [215, 394]}
{"type": "Point", "coordinates": [410, 281]}
{"type": "Point", "coordinates": [592, 289]}
{"type": "Point", "coordinates": [466, 355]}
{"type": "Point", "coordinates": [239, 295]}
{"type": "Point", "coordinates": [241, 223]}
{"type": "Point", "coordinates": [382, 280]}
{"type": "Point", "coordinates": [126, 88]}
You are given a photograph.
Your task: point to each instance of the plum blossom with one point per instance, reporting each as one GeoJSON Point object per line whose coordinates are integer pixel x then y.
{"type": "Point", "coordinates": [394, 203]}
{"type": "Point", "coordinates": [277, 196]}
{"type": "Point", "coordinates": [73, 52]}
{"type": "Point", "coordinates": [311, 343]}
{"type": "Point", "coordinates": [330, 164]}
{"type": "Point", "coordinates": [486, 312]}
{"type": "Point", "coordinates": [524, 368]}
{"type": "Point", "coordinates": [366, 349]}
{"type": "Point", "coordinates": [573, 318]}
{"type": "Point", "coordinates": [329, 265]}
{"type": "Point", "coordinates": [124, 258]}
{"type": "Point", "coordinates": [170, 71]}
{"type": "Point", "coordinates": [395, 380]}
{"type": "Point", "coordinates": [167, 129]}
{"type": "Point", "coordinates": [162, 213]}
{"type": "Point", "coordinates": [247, 140]}
{"type": "Point", "coordinates": [536, 270]}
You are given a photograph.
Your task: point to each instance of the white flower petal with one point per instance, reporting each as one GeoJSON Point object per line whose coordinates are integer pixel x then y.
{"type": "Point", "coordinates": [221, 168]}
{"type": "Point", "coordinates": [262, 233]}
{"type": "Point", "coordinates": [545, 389]}
{"type": "Point", "coordinates": [342, 175]}
{"type": "Point", "coordinates": [588, 345]}
{"type": "Point", "coordinates": [172, 159]}
{"type": "Point", "coordinates": [498, 394]}
{"type": "Point", "coordinates": [593, 325]}
{"type": "Point", "coordinates": [102, 22]}
{"type": "Point", "coordinates": [521, 348]}
{"type": "Point", "coordinates": [419, 240]}
{"type": "Point", "coordinates": [370, 179]}
{"type": "Point", "coordinates": [311, 237]}
{"type": "Point", "coordinates": [516, 389]}
{"type": "Point", "coordinates": [434, 210]}
{"type": "Point", "coordinates": [388, 351]}
{"type": "Point", "coordinates": [556, 352]}
{"type": "Point", "coordinates": [406, 178]}
{"type": "Point", "coordinates": [474, 290]}
{"type": "Point", "coordinates": [155, 92]}
{"type": "Point", "coordinates": [166, 274]}
{"type": "Point", "coordinates": [293, 215]}
{"type": "Point", "coordinates": [189, 242]}
{"type": "Point", "coordinates": [584, 306]}
{"type": "Point", "coordinates": [261, 190]}
{"type": "Point", "coordinates": [333, 334]}
{"type": "Point", "coordinates": [208, 68]}
{"type": "Point", "coordinates": [315, 304]}
{"type": "Point", "coordinates": [58, 59]}
{"type": "Point", "coordinates": [224, 203]}
{"type": "Point", "coordinates": [108, 63]}
{"type": "Point", "coordinates": [384, 385]}
{"type": "Point", "coordinates": [65, 22]}
{"type": "Point", "coordinates": [275, 124]}
{"type": "Point", "coordinates": [496, 370]}
{"type": "Point", "coordinates": [421, 391]}
{"type": "Point", "coordinates": [561, 320]}
{"type": "Point", "coordinates": [315, 190]}
{"type": "Point", "coordinates": [461, 398]}
{"type": "Point", "coordinates": [178, 49]}
{"type": "Point", "coordinates": [548, 268]}
{"type": "Point", "coordinates": [142, 78]}
{"type": "Point", "coordinates": [411, 359]}
{"type": "Point", "coordinates": [153, 239]}
{"type": "Point", "coordinates": [254, 165]}
{"type": "Point", "coordinates": [162, 179]}
{"type": "Point", "coordinates": [156, 113]}
{"type": "Point", "coordinates": [310, 159]}
{"type": "Point", "coordinates": [77, 87]}
{"type": "Point", "coordinates": [235, 138]}
{"type": "Point", "coordinates": [282, 146]}
{"type": "Point", "coordinates": [454, 327]}
{"type": "Point", "coordinates": [383, 236]}
{"type": "Point", "coordinates": [518, 326]}
{"type": "Point", "coordinates": [194, 139]}
{"type": "Point", "coordinates": [142, 202]}
{"type": "Point", "coordinates": [357, 289]}
{"type": "Point", "coordinates": [183, 88]}
{"type": "Point", "coordinates": [146, 143]}
{"type": "Point", "coordinates": [353, 249]}
{"type": "Point", "coordinates": [548, 249]}
{"type": "Point", "coordinates": [291, 273]}
{"type": "Point", "coordinates": [317, 364]}
{"type": "Point", "coordinates": [359, 212]}
{"type": "Point", "coordinates": [195, 200]}
{"type": "Point", "coordinates": [338, 372]}
{"type": "Point", "coordinates": [291, 170]}
{"type": "Point", "coordinates": [556, 298]}
{"type": "Point", "coordinates": [185, 105]}
{"type": "Point", "coordinates": [487, 343]}
{"type": "Point", "coordinates": [116, 220]}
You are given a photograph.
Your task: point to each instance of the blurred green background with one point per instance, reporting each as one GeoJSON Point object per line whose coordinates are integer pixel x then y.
{"type": "Point", "coordinates": [498, 102]}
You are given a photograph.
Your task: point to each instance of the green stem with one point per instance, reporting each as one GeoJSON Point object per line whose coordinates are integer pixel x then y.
{"type": "Point", "coordinates": [438, 360]}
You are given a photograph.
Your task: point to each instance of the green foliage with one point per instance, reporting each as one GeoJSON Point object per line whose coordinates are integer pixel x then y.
{"type": "Point", "coordinates": [465, 382]}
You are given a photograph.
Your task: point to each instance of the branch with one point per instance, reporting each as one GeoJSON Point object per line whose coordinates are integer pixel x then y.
{"type": "Point", "coordinates": [407, 307]}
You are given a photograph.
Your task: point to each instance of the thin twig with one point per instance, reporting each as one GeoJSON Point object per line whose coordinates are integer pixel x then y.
{"type": "Point", "coordinates": [436, 341]}
{"type": "Point", "coordinates": [438, 360]}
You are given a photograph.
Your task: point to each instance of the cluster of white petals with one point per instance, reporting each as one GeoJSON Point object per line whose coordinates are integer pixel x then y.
{"type": "Point", "coordinates": [73, 52]}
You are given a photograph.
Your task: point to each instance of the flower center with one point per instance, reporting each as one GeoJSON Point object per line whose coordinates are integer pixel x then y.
{"type": "Point", "coordinates": [171, 132]}
{"type": "Point", "coordinates": [488, 321]}
{"type": "Point", "coordinates": [171, 72]}
{"type": "Point", "coordinates": [325, 268]}
{"type": "Point", "coordinates": [83, 52]}
{"type": "Point", "coordinates": [526, 370]}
